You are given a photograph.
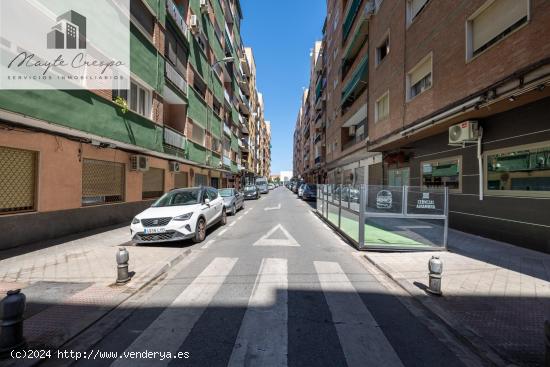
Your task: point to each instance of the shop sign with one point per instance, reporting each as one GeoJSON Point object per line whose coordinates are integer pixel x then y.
{"type": "Point", "coordinates": [425, 202]}
{"type": "Point", "coordinates": [384, 199]}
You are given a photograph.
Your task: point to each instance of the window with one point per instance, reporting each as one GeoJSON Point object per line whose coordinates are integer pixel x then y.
{"type": "Point", "coordinates": [414, 7]}
{"type": "Point", "coordinates": [419, 79]}
{"type": "Point", "coordinates": [181, 180]}
{"type": "Point", "coordinates": [523, 170]}
{"type": "Point", "coordinates": [441, 173]}
{"type": "Point", "coordinates": [493, 22]}
{"type": "Point", "coordinates": [398, 176]}
{"type": "Point", "coordinates": [18, 171]}
{"type": "Point", "coordinates": [383, 50]}
{"type": "Point", "coordinates": [198, 134]}
{"type": "Point", "coordinates": [175, 51]}
{"type": "Point", "coordinates": [153, 183]}
{"type": "Point", "coordinates": [212, 194]}
{"type": "Point", "coordinates": [139, 98]}
{"type": "Point", "coordinates": [102, 182]}
{"type": "Point", "coordinates": [142, 18]}
{"type": "Point", "coordinates": [199, 85]}
{"type": "Point", "coordinates": [382, 107]}
{"type": "Point", "coordinates": [201, 180]}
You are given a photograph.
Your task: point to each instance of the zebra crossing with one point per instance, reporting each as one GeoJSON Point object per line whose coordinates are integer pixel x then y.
{"type": "Point", "coordinates": [262, 338]}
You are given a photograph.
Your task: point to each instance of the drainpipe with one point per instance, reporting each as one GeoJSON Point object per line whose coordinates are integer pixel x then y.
{"type": "Point", "coordinates": [480, 162]}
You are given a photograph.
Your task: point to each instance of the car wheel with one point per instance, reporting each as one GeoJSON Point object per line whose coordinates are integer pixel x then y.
{"type": "Point", "coordinates": [200, 231]}
{"type": "Point", "coordinates": [223, 221]}
{"type": "Point", "coordinates": [233, 209]}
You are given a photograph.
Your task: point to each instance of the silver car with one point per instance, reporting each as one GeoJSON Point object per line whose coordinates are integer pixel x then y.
{"type": "Point", "coordinates": [233, 200]}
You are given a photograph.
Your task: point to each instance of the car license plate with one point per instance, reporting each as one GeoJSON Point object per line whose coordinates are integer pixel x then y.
{"type": "Point", "coordinates": [154, 230]}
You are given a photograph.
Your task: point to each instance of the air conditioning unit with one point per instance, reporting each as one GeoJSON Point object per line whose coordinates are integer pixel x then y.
{"type": "Point", "coordinates": [174, 167]}
{"type": "Point", "coordinates": [466, 131]}
{"type": "Point", "coordinates": [204, 6]}
{"type": "Point", "coordinates": [351, 130]}
{"type": "Point", "coordinates": [139, 163]}
{"type": "Point", "coordinates": [194, 23]}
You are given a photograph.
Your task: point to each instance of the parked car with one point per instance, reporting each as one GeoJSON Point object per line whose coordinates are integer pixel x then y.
{"type": "Point", "coordinates": [270, 186]}
{"type": "Point", "coordinates": [301, 190]}
{"type": "Point", "coordinates": [251, 192]}
{"type": "Point", "coordinates": [233, 200]}
{"type": "Point", "coordinates": [178, 215]}
{"type": "Point", "coordinates": [261, 182]}
{"type": "Point", "coordinates": [310, 192]}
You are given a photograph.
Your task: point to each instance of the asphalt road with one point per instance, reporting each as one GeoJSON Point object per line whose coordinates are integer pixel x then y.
{"type": "Point", "coordinates": [275, 287]}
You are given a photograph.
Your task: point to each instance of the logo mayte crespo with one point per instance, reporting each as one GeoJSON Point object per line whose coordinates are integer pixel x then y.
{"type": "Point", "coordinates": [69, 32]}
{"type": "Point", "coordinates": [66, 44]}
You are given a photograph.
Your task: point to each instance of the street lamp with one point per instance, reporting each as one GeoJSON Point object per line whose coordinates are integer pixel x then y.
{"type": "Point", "coordinates": [224, 60]}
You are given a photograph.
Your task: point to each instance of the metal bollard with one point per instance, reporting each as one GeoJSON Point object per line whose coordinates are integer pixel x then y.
{"type": "Point", "coordinates": [12, 308]}
{"type": "Point", "coordinates": [122, 258]}
{"type": "Point", "coordinates": [435, 266]}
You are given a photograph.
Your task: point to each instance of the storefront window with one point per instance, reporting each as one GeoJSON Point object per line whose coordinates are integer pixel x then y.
{"type": "Point", "coordinates": [398, 176]}
{"type": "Point", "coordinates": [441, 173]}
{"type": "Point", "coordinates": [519, 170]}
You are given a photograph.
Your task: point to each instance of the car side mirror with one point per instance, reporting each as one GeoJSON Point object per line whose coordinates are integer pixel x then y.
{"type": "Point", "coordinates": [207, 201]}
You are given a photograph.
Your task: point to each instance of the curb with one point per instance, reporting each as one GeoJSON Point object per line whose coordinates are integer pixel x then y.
{"type": "Point", "coordinates": [456, 327]}
{"type": "Point", "coordinates": [131, 292]}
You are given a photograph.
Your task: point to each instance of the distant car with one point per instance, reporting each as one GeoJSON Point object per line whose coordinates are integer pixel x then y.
{"type": "Point", "coordinates": [233, 200]}
{"type": "Point", "coordinates": [310, 192]}
{"type": "Point", "coordinates": [261, 182]}
{"type": "Point", "coordinates": [178, 215]}
{"type": "Point", "coordinates": [251, 192]}
{"type": "Point", "coordinates": [301, 190]}
{"type": "Point", "coordinates": [270, 186]}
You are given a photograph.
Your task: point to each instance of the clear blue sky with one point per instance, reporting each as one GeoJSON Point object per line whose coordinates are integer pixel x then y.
{"type": "Point", "coordinates": [281, 34]}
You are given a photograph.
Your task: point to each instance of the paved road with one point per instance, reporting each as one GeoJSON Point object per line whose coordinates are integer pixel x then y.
{"type": "Point", "coordinates": [276, 287]}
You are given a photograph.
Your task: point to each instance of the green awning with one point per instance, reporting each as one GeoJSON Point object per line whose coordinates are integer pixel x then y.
{"type": "Point", "coordinates": [361, 74]}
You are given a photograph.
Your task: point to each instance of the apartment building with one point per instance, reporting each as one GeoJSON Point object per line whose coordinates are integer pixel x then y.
{"type": "Point", "coordinates": [457, 96]}
{"type": "Point", "coordinates": [460, 98]}
{"type": "Point", "coordinates": [73, 160]}
{"type": "Point", "coordinates": [335, 115]}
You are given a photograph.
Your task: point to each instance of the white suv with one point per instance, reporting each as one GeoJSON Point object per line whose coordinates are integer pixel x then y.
{"type": "Point", "coordinates": [178, 215]}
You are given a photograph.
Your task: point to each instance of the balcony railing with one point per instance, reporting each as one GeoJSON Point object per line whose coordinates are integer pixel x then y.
{"type": "Point", "coordinates": [175, 77]}
{"type": "Point", "coordinates": [172, 9]}
{"type": "Point", "coordinates": [175, 139]}
{"type": "Point", "coordinates": [227, 96]}
{"type": "Point", "coordinates": [226, 161]}
{"type": "Point", "coordinates": [350, 17]}
{"type": "Point", "coordinates": [226, 129]}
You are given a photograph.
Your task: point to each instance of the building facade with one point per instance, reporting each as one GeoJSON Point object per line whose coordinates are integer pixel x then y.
{"type": "Point", "coordinates": [71, 161]}
{"type": "Point", "coordinates": [458, 95]}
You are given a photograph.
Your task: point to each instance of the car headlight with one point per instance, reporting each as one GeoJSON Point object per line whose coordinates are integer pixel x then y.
{"type": "Point", "coordinates": [135, 221]}
{"type": "Point", "coordinates": [183, 217]}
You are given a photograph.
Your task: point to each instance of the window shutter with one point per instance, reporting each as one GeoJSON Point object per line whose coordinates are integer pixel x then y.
{"type": "Point", "coordinates": [421, 70]}
{"type": "Point", "coordinates": [494, 20]}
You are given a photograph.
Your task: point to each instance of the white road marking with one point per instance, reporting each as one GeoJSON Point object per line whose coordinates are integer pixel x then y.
{"type": "Point", "coordinates": [171, 328]}
{"type": "Point", "coordinates": [263, 336]}
{"type": "Point", "coordinates": [274, 208]}
{"type": "Point", "coordinates": [266, 241]}
{"type": "Point", "coordinates": [221, 232]}
{"type": "Point", "coordinates": [246, 212]}
{"type": "Point", "coordinates": [232, 223]}
{"type": "Point", "coordinates": [360, 336]}
{"type": "Point", "coordinates": [207, 244]}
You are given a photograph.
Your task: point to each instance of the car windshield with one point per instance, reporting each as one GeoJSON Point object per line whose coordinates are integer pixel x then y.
{"type": "Point", "coordinates": [177, 198]}
{"type": "Point", "coordinates": [250, 188]}
{"type": "Point", "coordinates": [225, 193]}
{"type": "Point", "coordinates": [312, 187]}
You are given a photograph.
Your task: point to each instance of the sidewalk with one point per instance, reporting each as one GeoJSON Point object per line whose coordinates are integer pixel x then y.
{"type": "Point", "coordinates": [495, 295]}
{"type": "Point", "coordinates": [70, 285]}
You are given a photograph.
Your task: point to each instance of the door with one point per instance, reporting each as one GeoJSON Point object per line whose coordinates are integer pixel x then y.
{"type": "Point", "coordinates": [216, 204]}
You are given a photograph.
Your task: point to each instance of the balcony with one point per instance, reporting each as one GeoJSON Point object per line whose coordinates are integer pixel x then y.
{"type": "Point", "coordinates": [226, 161]}
{"type": "Point", "coordinates": [176, 16]}
{"type": "Point", "coordinates": [349, 18]}
{"type": "Point", "coordinates": [244, 144]}
{"type": "Point", "coordinates": [317, 138]}
{"type": "Point", "coordinates": [244, 104]}
{"type": "Point", "coordinates": [226, 129]}
{"type": "Point", "coordinates": [244, 66]}
{"type": "Point", "coordinates": [175, 77]}
{"type": "Point", "coordinates": [356, 84]}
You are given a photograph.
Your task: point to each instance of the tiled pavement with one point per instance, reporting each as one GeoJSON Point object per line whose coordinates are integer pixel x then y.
{"type": "Point", "coordinates": [495, 294]}
{"type": "Point", "coordinates": [71, 285]}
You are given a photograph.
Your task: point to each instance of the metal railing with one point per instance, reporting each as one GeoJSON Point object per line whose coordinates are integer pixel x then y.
{"type": "Point", "coordinates": [404, 218]}
{"type": "Point", "coordinates": [172, 9]}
